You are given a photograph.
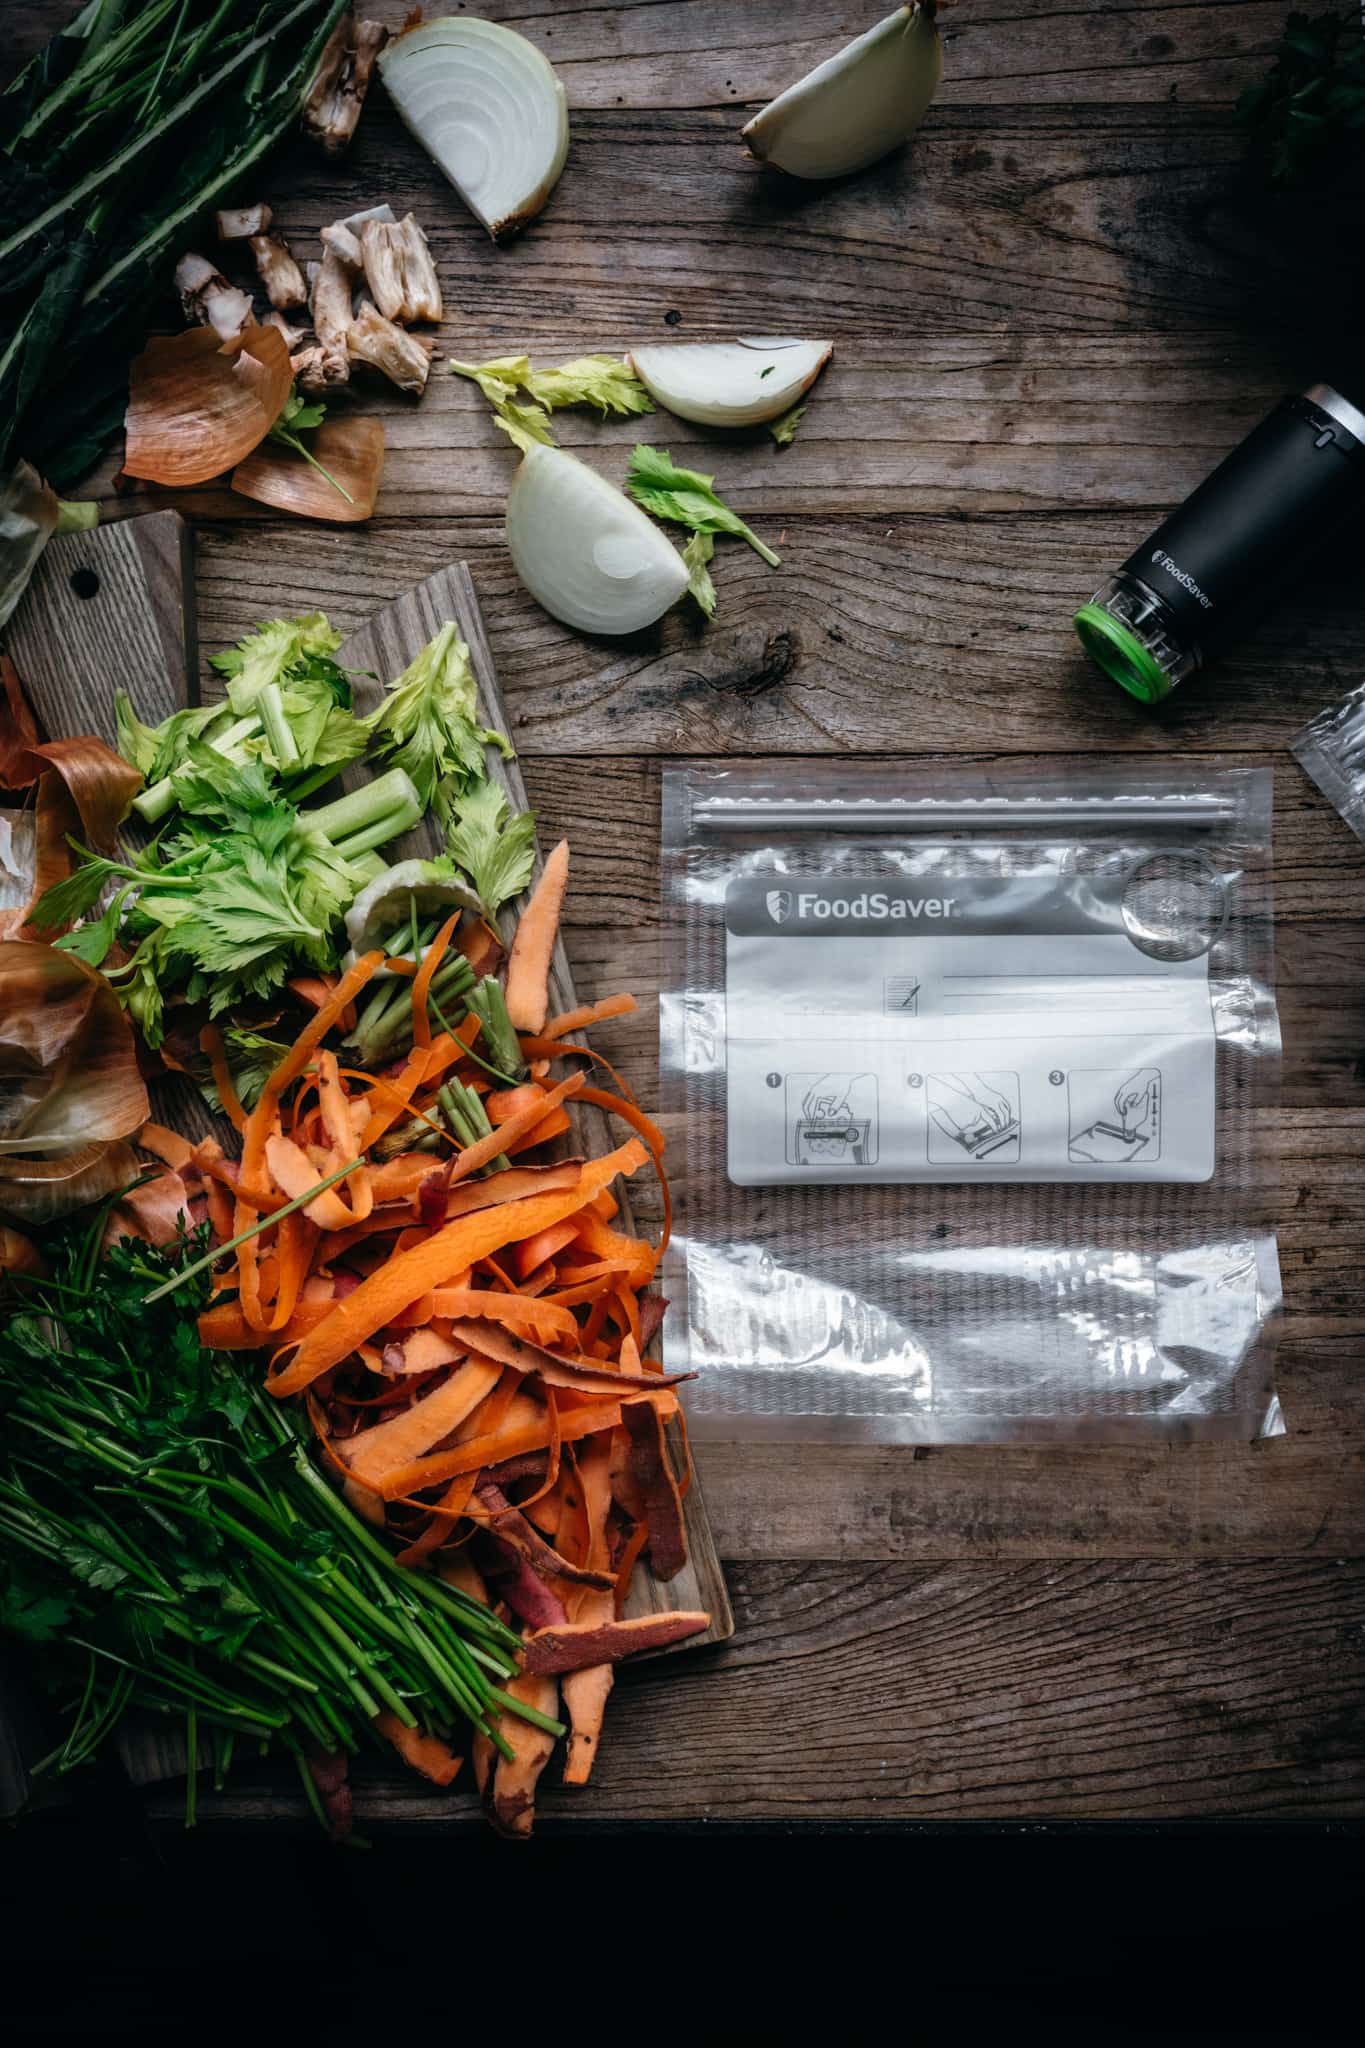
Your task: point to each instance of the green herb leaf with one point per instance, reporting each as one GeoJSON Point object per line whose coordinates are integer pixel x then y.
{"type": "Point", "coordinates": [425, 724]}
{"type": "Point", "coordinates": [494, 848]}
{"type": "Point", "coordinates": [67, 900]}
{"type": "Point", "coordinates": [697, 554]}
{"type": "Point", "coordinates": [600, 380]}
{"type": "Point", "coordinates": [498, 380]}
{"type": "Point", "coordinates": [783, 430]}
{"type": "Point", "coordinates": [91, 942]}
{"type": "Point", "coordinates": [1306, 117]}
{"type": "Point", "coordinates": [28, 1611]}
{"type": "Point", "coordinates": [269, 653]}
{"type": "Point", "coordinates": [687, 497]}
{"type": "Point", "coordinates": [297, 416]}
{"type": "Point", "coordinates": [524, 425]}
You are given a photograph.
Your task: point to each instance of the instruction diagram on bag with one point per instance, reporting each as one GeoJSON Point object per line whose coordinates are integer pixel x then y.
{"type": "Point", "coordinates": [831, 1119]}
{"type": "Point", "coordinates": [973, 1116]}
{"type": "Point", "coordinates": [1114, 1115]}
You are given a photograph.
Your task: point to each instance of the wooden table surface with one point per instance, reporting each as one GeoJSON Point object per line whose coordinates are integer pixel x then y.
{"type": "Point", "coordinates": [1050, 318]}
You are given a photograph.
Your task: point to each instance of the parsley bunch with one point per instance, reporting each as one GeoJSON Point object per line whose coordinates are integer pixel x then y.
{"type": "Point", "coordinates": [167, 1539]}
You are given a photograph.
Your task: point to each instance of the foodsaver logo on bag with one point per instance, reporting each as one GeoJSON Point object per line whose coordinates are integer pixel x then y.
{"type": "Point", "coordinates": [868, 905]}
{"type": "Point", "coordinates": [827, 906]}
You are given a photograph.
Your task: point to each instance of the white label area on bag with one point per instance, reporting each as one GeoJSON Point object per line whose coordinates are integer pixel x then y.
{"type": "Point", "coordinates": [1004, 1029]}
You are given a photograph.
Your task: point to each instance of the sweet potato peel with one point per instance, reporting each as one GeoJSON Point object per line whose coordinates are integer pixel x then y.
{"type": "Point", "coordinates": [581, 1375]}
{"type": "Point", "coordinates": [521, 1536]}
{"type": "Point", "coordinates": [426, 1753]}
{"type": "Point", "coordinates": [658, 1489]}
{"type": "Point", "coordinates": [585, 1692]}
{"type": "Point", "coordinates": [509, 1788]}
{"type": "Point", "coordinates": [578, 1644]}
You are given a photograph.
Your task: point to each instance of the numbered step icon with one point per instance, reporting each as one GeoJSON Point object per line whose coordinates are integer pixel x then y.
{"type": "Point", "coordinates": [973, 1118]}
{"type": "Point", "coordinates": [1114, 1115]}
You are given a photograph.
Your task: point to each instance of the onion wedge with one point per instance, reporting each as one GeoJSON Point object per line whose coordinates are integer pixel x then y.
{"type": "Point", "coordinates": [730, 383]}
{"type": "Point", "coordinates": [488, 108]}
{"type": "Point", "coordinates": [197, 405]}
{"type": "Point", "coordinates": [351, 449]}
{"type": "Point", "coordinates": [584, 551]}
{"type": "Point", "coordinates": [857, 105]}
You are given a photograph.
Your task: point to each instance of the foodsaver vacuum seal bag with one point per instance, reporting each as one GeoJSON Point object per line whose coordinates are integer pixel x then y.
{"type": "Point", "coordinates": [1331, 749]}
{"type": "Point", "coordinates": [966, 1072]}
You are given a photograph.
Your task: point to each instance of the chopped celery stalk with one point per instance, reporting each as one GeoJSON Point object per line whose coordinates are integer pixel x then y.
{"type": "Point", "coordinates": [384, 1028]}
{"type": "Point", "coordinates": [154, 803]}
{"type": "Point", "coordinates": [378, 834]}
{"type": "Point", "coordinates": [467, 1117]}
{"type": "Point", "coordinates": [282, 742]}
{"type": "Point", "coordinates": [352, 816]}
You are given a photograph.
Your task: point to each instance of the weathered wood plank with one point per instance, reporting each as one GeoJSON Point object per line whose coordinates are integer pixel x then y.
{"type": "Point", "coordinates": [1032, 219]}
{"type": "Point", "coordinates": [724, 53]}
{"type": "Point", "coordinates": [1081, 1691]}
{"type": "Point", "coordinates": [878, 634]}
{"type": "Point", "coordinates": [958, 424]}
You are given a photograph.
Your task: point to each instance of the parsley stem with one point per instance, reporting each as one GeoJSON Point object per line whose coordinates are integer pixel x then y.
{"type": "Point", "coordinates": [263, 1223]}
{"type": "Point", "coordinates": [291, 440]}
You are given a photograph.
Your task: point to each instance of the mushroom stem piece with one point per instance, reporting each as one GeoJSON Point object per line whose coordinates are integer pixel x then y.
{"type": "Point", "coordinates": [338, 90]}
{"type": "Point", "coordinates": [399, 270]}
{"type": "Point", "coordinates": [208, 299]}
{"type": "Point", "coordinates": [400, 356]}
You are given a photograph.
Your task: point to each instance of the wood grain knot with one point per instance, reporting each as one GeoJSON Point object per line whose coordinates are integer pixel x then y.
{"type": "Point", "coordinates": [764, 670]}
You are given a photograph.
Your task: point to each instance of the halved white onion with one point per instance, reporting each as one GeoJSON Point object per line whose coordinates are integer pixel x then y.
{"type": "Point", "coordinates": [857, 105]}
{"type": "Point", "coordinates": [487, 106]}
{"type": "Point", "coordinates": [730, 383]}
{"type": "Point", "coordinates": [584, 551]}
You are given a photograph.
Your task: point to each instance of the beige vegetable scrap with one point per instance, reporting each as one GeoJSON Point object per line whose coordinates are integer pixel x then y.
{"type": "Point", "coordinates": [386, 347]}
{"type": "Point", "coordinates": [399, 270]}
{"type": "Point", "coordinates": [240, 223]}
{"type": "Point", "coordinates": [343, 75]}
{"type": "Point", "coordinates": [208, 299]}
{"type": "Point", "coordinates": [331, 306]}
{"type": "Point", "coordinates": [280, 274]}
{"type": "Point", "coordinates": [294, 337]}
{"type": "Point", "coordinates": [314, 370]}
{"type": "Point", "coordinates": [344, 244]}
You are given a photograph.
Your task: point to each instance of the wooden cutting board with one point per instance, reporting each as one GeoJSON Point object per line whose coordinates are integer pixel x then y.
{"type": "Point", "coordinates": [108, 609]}
{"type": "Point", "coordinates": [385, 646]}
{"type": "Point", "coordinates": [113, 608]}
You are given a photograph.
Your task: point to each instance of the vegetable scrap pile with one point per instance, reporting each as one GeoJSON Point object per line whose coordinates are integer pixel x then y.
{"type": "Point", "coordinates": [247, 892]}
{"type": "Point", "coordinates": [146, 115]}
{"type": "Point", "coordinates": [120, 134]}
{"type": "Point", "coordinates": [582, 547]}
{"type": "Point", "coordinates": [375, 279]}
{"type": "Point", "coordinates": [411, 1244]}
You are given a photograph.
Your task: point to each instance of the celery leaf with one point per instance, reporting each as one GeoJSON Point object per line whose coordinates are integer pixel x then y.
{"type": "Point", "coordinates": [495, 849]}
{"type": "Point", "coordinates": [687, 497]}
